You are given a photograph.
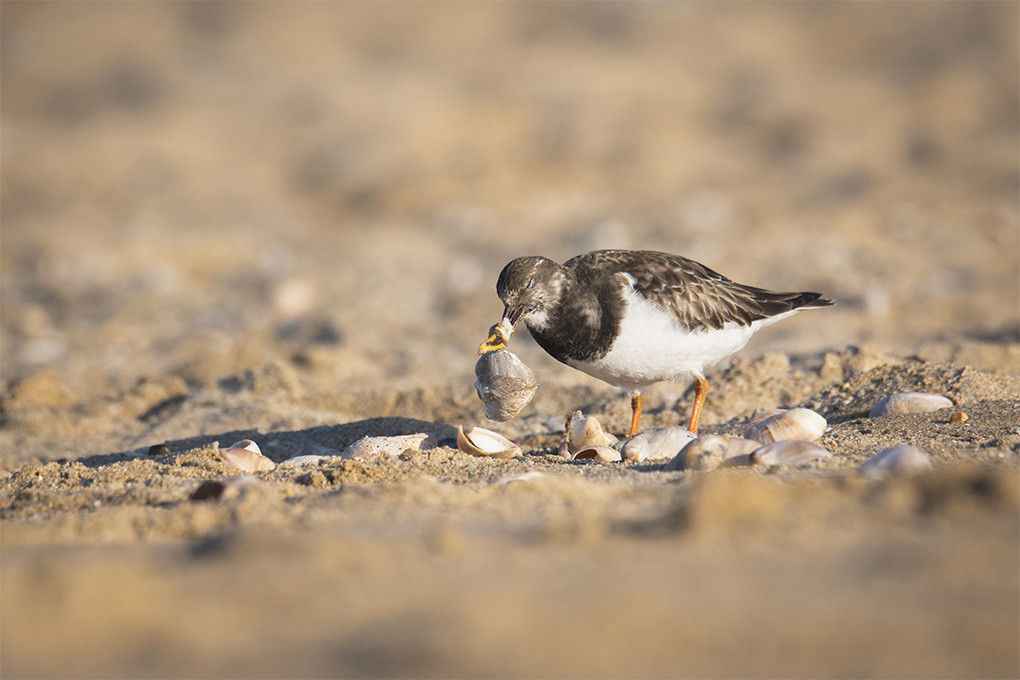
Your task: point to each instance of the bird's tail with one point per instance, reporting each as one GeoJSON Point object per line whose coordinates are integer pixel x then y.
{"type": "Point", "coordinates": [808, 301]}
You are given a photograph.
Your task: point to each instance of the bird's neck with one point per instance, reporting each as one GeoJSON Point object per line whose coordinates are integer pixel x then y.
{"type": "Point", "coordinates": [572, 324]}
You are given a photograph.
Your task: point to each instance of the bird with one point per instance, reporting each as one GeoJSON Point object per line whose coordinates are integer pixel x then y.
{"type": "Point", "coordinates": [633, 318]}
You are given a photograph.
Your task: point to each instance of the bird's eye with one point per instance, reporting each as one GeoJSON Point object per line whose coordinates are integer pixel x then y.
{"type": "Point", "coordinates": [530, 283]}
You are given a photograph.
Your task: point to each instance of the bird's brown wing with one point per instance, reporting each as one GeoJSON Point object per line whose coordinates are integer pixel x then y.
{"type": "Point", "coordinates": [700, 297]}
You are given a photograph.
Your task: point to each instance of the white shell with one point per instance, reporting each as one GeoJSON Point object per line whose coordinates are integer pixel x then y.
{"type": "Point", "coordinates": [709, 451]}
{"type": "Point", "coordinates": [564, 450]}
{"type": "Point", "coordinates": [603, 454]}
{"type": "Point", "coordinates": [585, 431]}
{"type": "Point", "coordinates": [504, 384]}
{"type": "Point", "coordinates": [663, 442]}
{"type": "Point", "coordinates": [245, 455]}
{"type": "Point", "coordinates": [481, 442]}
{"type": "Point", "coordinates": [909, 402]}
{"type": "Point", "coordinates": [800, 423]}
{"type": "Point", "coordinates": [789, 452]}
{"type": "Point", "coordinates": [390, 446]}
{"type": "Point", "coordinates": [899, 461]}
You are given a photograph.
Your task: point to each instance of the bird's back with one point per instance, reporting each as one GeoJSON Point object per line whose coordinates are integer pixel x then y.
{"type": "Point", "coordinates": [701, 298]}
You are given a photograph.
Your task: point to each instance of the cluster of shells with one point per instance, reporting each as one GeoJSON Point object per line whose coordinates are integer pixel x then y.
{"type": "Point", "coordinates": [775, 437]}
{"type": "Point", "coordinates": [585, 439]}
{"type": "Point", "coordinates": [789, 437]}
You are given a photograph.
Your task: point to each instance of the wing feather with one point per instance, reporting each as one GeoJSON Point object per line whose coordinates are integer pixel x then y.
{"type": "Point", "coordinates": [700, 297]}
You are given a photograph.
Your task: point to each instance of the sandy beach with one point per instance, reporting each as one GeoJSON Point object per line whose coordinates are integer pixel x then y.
{"type": "Point", "coordinates": [284, 222]}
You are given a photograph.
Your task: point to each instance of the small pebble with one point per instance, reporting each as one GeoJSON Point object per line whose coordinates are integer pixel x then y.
{"type": "Point", "coordinates": [958, 417]}
{"type": "Point", "coordinates": [159, 450]}
{"type": "Point", "coordinates": [211, 489]}
{"type": "Point", "coordinates": [224, 490]}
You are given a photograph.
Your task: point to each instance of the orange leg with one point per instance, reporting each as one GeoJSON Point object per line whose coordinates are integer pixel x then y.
{"type": "Point", "coordinates": [700, 391]}
{"type": "Point", "coordinates": [637, 403]}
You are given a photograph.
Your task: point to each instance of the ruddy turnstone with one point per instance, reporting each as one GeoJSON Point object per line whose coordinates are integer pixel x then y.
{"type": "Point", "coordinates": [633, 318]}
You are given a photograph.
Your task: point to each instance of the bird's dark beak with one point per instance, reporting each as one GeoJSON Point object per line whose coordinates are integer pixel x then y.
{"type": "Point", "coordinates": [499, 335]}
{"type": "Point", "coordinates": [512, 314]}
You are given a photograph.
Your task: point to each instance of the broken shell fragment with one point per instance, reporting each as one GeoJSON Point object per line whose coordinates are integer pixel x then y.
{"type": "Point", "coordinates": [599, 452]}
{"type": "Point", "coordinates": [709, 451]}
{"type": "Point", "coordinates": [789, 452]}
{"type": "Point", "coordinates": [909, 402]}
{"type": "Point", "coordinates": [499, 337]}
{"type": "Point", "coordinates": [800, 424]}
{"type": "Point", "coordinates": [564, 450]}
{"type": "Point", "coordinates": [480, 442]}
{"type": "Point", "coordinates": [504, 384]}
{"type": "Point", "coordinates": [899, 461]}
{"type": "Point", "coordinates": [390, 446]}
{"type": "Point", "coordinates": [663, 442]}
{"type": "Point", "coordinates": [583, 431]}
{"type": "Point", "coordinates": [245, 455]}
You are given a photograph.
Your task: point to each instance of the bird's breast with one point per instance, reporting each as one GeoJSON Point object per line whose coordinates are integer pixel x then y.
{"type": "Point", "coordinates": [651, 346]}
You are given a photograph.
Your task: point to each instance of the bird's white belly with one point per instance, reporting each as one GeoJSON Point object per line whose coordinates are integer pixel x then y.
{"type": "Point", "coordinates": [652, 346]}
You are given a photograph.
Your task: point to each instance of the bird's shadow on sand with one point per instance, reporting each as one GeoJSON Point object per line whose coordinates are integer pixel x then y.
{"type": "Point", "coordinates": [282, 444]}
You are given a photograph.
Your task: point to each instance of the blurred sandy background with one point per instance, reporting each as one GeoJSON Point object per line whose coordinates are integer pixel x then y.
{"type": "Point", "coordinates": [345, 180]}
{"type": "Point", "coordinates": [322, 195]}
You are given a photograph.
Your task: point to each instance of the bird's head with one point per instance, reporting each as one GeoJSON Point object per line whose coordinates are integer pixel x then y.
{"type": "Point", "coordinates": [529, 287]}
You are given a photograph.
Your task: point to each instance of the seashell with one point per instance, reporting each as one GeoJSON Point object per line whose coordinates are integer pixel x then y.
{"type": "Point", "coordinates": [390, 446]}
{"type": "Point", "coordinates": [909, 402]}
{"type": "Point", "coordinates": [504, 384]}
{"type": "Point", "coordinates": [800, 424]}
{"type": "Point", "coordinates": [245, 455]}
{"type": "Point", "coordinates": [481, 442]}
{"type": "Point", "coordinates": [584, 430]}
{"type": "Point", "coordinates": [663, 442]}
{"type": "Point", "coordinates": [564, 450]}
{"type": "Point", "coordinates": [767, 413]}
{"type": "Point", "coordinates": [899, 461]}
{"type": "Point", "coordinates": [599, 452]}
{"type": "Point", "coordinates": [788, 452]}
{"type": "Point", "coordinates": [709, 451]}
